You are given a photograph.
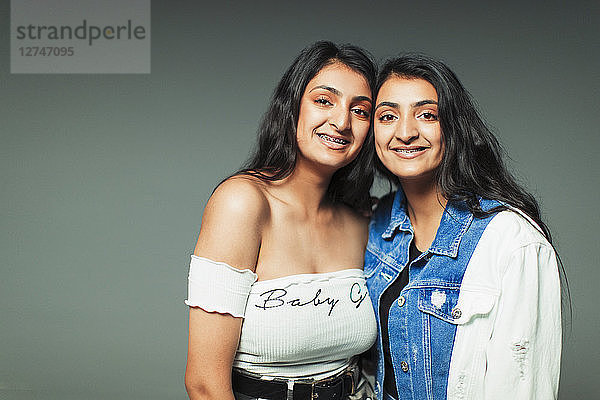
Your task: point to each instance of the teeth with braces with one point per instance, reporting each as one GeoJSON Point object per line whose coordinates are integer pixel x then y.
{"type": "Point", "coordinates": [332, 139]}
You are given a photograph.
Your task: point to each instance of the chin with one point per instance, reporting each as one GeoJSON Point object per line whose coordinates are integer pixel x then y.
{"type": "Point", "coordinates": [334, 165]}
{"type": "Point", "coordinates": [333, 162]}
{"type": "Point", "coordinates": [422, 177]}
{"type": "Point", "coordinates": [409, 173]}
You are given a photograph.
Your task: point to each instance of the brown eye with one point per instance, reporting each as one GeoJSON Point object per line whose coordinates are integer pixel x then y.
{"type": "Point", "coordinates": [387, 117]}
{"type": "Point", "coordinates": [429, 116]}
{"type": "Point", "coordinates": [323, 101]}
{"type": "Point", "coordinates": [361, 112]}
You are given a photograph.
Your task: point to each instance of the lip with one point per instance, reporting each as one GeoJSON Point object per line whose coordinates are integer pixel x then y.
{"type": "Point", "coordinates": [334, 144]}
{"type": "Point", "coordinates": [409, 152]}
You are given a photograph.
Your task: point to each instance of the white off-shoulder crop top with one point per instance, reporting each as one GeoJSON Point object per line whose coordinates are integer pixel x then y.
{"type": "Point", "coordinates": [298, 326]}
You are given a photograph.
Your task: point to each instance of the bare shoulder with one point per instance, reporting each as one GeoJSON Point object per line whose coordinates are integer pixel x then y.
{"type": "Point", "coordinates": [233, 221]}
{"type": "Point", "coordinates": [239, 196]}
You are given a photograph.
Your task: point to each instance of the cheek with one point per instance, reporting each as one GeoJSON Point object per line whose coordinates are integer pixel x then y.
{"type": "Point", "coordinates": [441, 142]}
{"type": "Point", "coordinates": [304, 117]}
{"type": "Point", "coordinates": [381, 138]}
{"type": "Point", "coordinates": [360, 132]}
{"type": "Point", "coordinates": [310, 115]}
{"type": "Point", "coordinates": [441, 145]}
{"type": "Point", "coordinates": [381, 151]}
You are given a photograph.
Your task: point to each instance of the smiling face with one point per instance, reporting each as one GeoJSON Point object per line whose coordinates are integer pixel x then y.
{"type": "Point", "coordinates": [334, 117]}
{"type": "Point", "coordinates": [408, 136]}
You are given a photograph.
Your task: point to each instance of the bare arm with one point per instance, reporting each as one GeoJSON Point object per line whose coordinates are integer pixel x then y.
{"type": "Point", "coordinates": [231, 233]}
{"type": "Point", "coordinates": [213, 340]}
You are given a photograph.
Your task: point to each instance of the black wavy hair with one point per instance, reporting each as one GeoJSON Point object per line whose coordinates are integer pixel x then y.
{"type": "Point", "coordinates": [274, 156]}
{"type": "Point", "coordinates": [472, 165]}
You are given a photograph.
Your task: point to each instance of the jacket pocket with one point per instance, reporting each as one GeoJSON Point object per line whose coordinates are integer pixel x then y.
{"type": "Point", "coordinates": [454, 305]}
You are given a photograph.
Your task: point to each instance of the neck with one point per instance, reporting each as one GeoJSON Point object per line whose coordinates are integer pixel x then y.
{"type": "Point", "coordinates": [307, 187]}
{"type": "Point", "coordinates": [425, 206]}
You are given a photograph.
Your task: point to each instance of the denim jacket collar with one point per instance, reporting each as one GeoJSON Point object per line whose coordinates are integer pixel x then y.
{"type": "Point", "coordinates": [399, 217]}
{"type": "Point", "coordinates": [455, 222]}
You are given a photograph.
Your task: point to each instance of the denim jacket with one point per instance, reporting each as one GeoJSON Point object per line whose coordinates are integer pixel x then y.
{"type": "Point", "coordinates": [480, 315]}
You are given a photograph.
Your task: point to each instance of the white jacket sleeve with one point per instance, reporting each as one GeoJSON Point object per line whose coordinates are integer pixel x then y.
{"type": "Point", "coordinates": [523, 355]}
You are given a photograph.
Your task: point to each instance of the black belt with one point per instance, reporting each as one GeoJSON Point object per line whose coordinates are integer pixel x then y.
{"type": "Point", "coordinates": [338, 387]}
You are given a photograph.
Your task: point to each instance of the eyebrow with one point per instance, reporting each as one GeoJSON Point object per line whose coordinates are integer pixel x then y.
{"type": "Point", "coordinates": [362, 98]}
{"type": "Point", "coordinates": [424, 102]}
{"type": "Point", "coordinates": [387, 104]}
{"type": "Point", "coordinates": [338, 93]}
{"type": "Point", "coordinates": [414, 105]}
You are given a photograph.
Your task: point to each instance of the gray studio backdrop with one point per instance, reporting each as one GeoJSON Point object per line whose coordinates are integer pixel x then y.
{"type": "Point", "coordinates": [104, 177]}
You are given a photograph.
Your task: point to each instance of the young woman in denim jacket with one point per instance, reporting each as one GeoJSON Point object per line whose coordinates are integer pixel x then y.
{"type": "Point", "coordinates": [459, 265]}
{"type": "Point", "coordinates": [282, 243]}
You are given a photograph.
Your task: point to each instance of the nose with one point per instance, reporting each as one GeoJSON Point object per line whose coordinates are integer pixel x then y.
{"type": "Point", "coordinates": [340, 119]}
{"type": "Point", "coordinates": [406, 131]}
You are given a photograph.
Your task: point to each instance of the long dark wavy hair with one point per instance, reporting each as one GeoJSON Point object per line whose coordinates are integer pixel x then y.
{"type": "Point", "coordinates": [274, 156]}
{"type": "Point", "coordinates": [472, 165]}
